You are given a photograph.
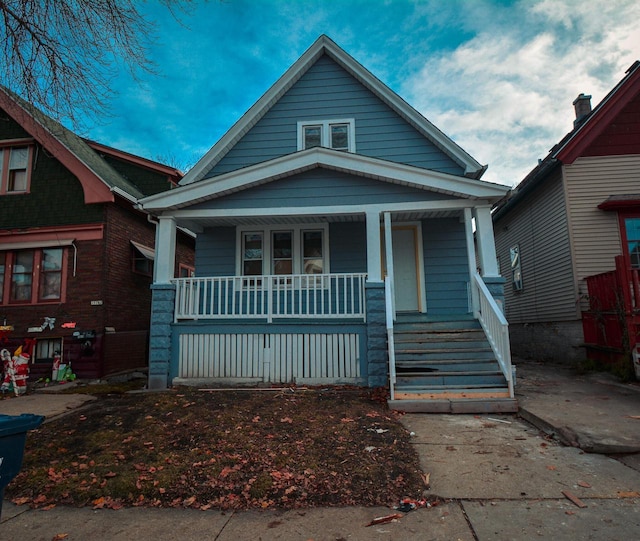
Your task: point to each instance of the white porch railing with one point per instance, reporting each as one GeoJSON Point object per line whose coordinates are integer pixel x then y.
{"type": "Point", "coordinates": [282, 296]}
{"type": "Point", "coordinates": [390, 316]}
{"type": "Point", "coordinates": [495, 327]}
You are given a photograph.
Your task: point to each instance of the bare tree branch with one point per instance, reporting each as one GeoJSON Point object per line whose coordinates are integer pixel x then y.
{"type": "Point", "coordinates": [62, 55]}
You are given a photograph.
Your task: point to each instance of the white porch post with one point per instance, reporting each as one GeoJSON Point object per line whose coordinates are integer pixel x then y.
{"type": "Point", "coordinates": [471, 256]}
{"type": "Point", "coordinates": [486, 242]}
{"type": "Point", "coordinates": [165, 250]}
{"type": "Point", "coordinates": [374, 258]}
{"type": "Point", "coordinates": [388, 248]}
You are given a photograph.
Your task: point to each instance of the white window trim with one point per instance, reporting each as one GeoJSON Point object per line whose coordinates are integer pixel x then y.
{"type": "Point", "coordinates": [297, 245]}
{"type": "Point", "coordinates": [325, 135]}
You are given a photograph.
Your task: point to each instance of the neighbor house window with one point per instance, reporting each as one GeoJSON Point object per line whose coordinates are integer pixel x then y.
{"type": "Point", "coordinates": [186, 271]}
{"type": "Point", "coordinates": [298, 250]}
{"type": "Point", "coordinates": [335, 134]}
{"type": "Point", "coordinates": [516, 269]}
{"type": "Point", "coordinates": [2, 272]}
{"type": "Point", "coordinates": [142, 258]}
{"type": "Point", "coordinates": [46, 349]}
{"type": "Point", "coordinates": [14, 169]}
{"type": "Point", "coordinates": [632, 230]}
{"type": "Point", "coordinates": [31, 276]}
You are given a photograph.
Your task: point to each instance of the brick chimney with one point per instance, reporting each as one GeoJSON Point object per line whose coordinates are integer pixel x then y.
{"type": "Point", "coordinates": [582, 105]}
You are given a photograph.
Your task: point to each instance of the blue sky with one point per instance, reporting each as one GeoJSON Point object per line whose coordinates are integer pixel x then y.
{"type": "Point", "coordinates": [498, 77]}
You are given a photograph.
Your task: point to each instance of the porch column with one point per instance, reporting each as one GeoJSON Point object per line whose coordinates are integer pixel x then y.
{"type": "Point", "coordinates": [162, 306]}
{"type": "Point", "coordinates": [163, 294]}
{"type": "Point", "coordinates": [487, 254]}
{"type": "Point", "coordinates": [377, 358]}
{"type": "Point", "coordinates": [388, 257]}
{"type": "Point", "coordinates": [486, 242]}
{"type": "Point", "coordinates": [164, 267]}
{"type": "Point", "coordinates": [471, 256]}
{"type": "Point", "coordinates": [374, 258]}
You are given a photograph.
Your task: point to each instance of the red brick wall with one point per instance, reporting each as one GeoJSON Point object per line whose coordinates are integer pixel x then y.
{"type": "Point", "coordinates": [127, 294]}
{"type": "Point", "coordinates": [125, 351]}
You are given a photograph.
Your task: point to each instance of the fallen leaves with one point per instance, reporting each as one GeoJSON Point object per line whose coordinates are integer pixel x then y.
{"type": "Point", "coordinates": [223, 450]}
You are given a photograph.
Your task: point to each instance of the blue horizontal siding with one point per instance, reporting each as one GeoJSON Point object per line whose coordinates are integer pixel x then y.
{"type": "Point", "coordinates": [327, 91]}
{"type": "Point", "coordinates": [348, 247]}
{"type": "Point", "coordinates": [319, 187]}
{"type": "Point", "coordinates": [216, 252]}
{"type": "Point", "coordinates": [446, 266]}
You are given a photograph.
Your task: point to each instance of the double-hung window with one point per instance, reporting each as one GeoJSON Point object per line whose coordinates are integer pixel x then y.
{"type": "Point", "coordinates": [15, 169]}
{"type": "Point", "coordinates": [31, 276]}
{"type": "Point", "coordinates": [284, 251]}
{"type": "Point", "coordinates": [336, 134]}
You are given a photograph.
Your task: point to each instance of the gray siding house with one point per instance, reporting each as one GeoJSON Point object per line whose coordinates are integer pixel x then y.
{"type": "Point", "coordinates": [568, 224]}
{"type": "Point", "coordinates": [335, 244]}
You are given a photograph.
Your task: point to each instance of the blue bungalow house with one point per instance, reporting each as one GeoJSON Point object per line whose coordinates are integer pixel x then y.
{"type": "Point", "coordinates": [341, 238]}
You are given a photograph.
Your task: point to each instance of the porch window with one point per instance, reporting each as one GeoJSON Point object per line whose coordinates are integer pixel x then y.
{"type": "Point", "coordinates": [252, 254]}
{"type": "Point", "coordinates": [296, 250]}
{"type": "Point", "coordinates": [335, 134]}
{"type": "Point", "coordinates": [282, 250]}
{"type": "Point", "coordinates": [14, 169]}
{"type": "Point", "coordinates": [312, 252]}
{"type": "Point", "coordinates": [632, 228]}
{"type": "Point", "coordinates": [30, 276]}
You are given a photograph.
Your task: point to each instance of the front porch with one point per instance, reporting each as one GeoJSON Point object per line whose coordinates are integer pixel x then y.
{"type": "Point", "coordinates": [309, 290]}
{"type": "Point", "coordinates": [340, 329]}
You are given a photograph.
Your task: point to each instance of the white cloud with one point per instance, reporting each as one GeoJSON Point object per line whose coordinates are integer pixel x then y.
{"type": "Point", "coordinates": [506, 94]}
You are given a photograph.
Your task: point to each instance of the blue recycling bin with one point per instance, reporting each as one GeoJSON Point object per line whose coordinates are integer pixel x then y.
{"type": "Point", "coordinates": [13, 433]}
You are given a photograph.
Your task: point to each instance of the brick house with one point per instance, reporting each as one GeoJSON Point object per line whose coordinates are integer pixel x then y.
{"type": "Point", "coordinates": [76, 254]}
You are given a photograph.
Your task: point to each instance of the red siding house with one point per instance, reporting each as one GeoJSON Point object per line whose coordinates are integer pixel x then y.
{"type": "Point", "coordinates": [76, 254]}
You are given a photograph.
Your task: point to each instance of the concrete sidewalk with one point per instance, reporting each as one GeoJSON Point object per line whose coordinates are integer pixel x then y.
{"type": "Point", "coordinates": [499, 476]}
{"type": "Point", "coordinates": [594, 411]}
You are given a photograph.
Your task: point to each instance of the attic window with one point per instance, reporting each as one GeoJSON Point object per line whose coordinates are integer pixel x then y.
{"type": "Point", "coordinates": [335, 134]}
{"type": "Point", "coordinates": [14, 169]}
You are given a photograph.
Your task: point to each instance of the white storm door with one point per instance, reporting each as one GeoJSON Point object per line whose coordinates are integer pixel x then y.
{"type": "Point", "coordinates": [405, 269]}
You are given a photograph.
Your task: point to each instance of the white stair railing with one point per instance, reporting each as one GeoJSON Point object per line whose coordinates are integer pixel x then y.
{"type": "Point", "coordinates": [496, 329]}
{"type": "Point", "coordinates": [389, 311]}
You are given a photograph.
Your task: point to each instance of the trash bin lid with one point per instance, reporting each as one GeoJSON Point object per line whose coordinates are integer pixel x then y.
{"type": "Point", "coordinates": [14, 424]}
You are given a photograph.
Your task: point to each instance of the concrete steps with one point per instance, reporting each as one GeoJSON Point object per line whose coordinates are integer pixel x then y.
{"type": "Point", "coordinates": [447, 366]}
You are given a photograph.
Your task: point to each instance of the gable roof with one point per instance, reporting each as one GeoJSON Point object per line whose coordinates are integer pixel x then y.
{"type": "Point", "coordinates": [574, 143]}
{"type": "Point", "coordinates": [99, 180]}
{"type": "Point", "coordinates": [262, 173]}
{"type": "Point", "coordinates": [325, 46]}
{"type": "Point", "coordinates": [605, 112]}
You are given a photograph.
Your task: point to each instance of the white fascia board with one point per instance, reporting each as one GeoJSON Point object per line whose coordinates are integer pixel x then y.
{"type": "Point", "coordinates": [334, 210]}
{"type": "Point", "coordinates": [317, 157]}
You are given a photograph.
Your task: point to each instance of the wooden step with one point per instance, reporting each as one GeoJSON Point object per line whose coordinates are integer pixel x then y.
{"type": "Point", "coordinates": [458, 406]}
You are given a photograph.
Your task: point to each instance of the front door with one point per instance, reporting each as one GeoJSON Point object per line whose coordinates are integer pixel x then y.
{"type": "Point", "coordinates": [405, 268]}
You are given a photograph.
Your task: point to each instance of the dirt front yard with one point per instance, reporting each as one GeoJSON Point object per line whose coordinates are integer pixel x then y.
{"type": "Point", "coordinates": [230, 449]}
